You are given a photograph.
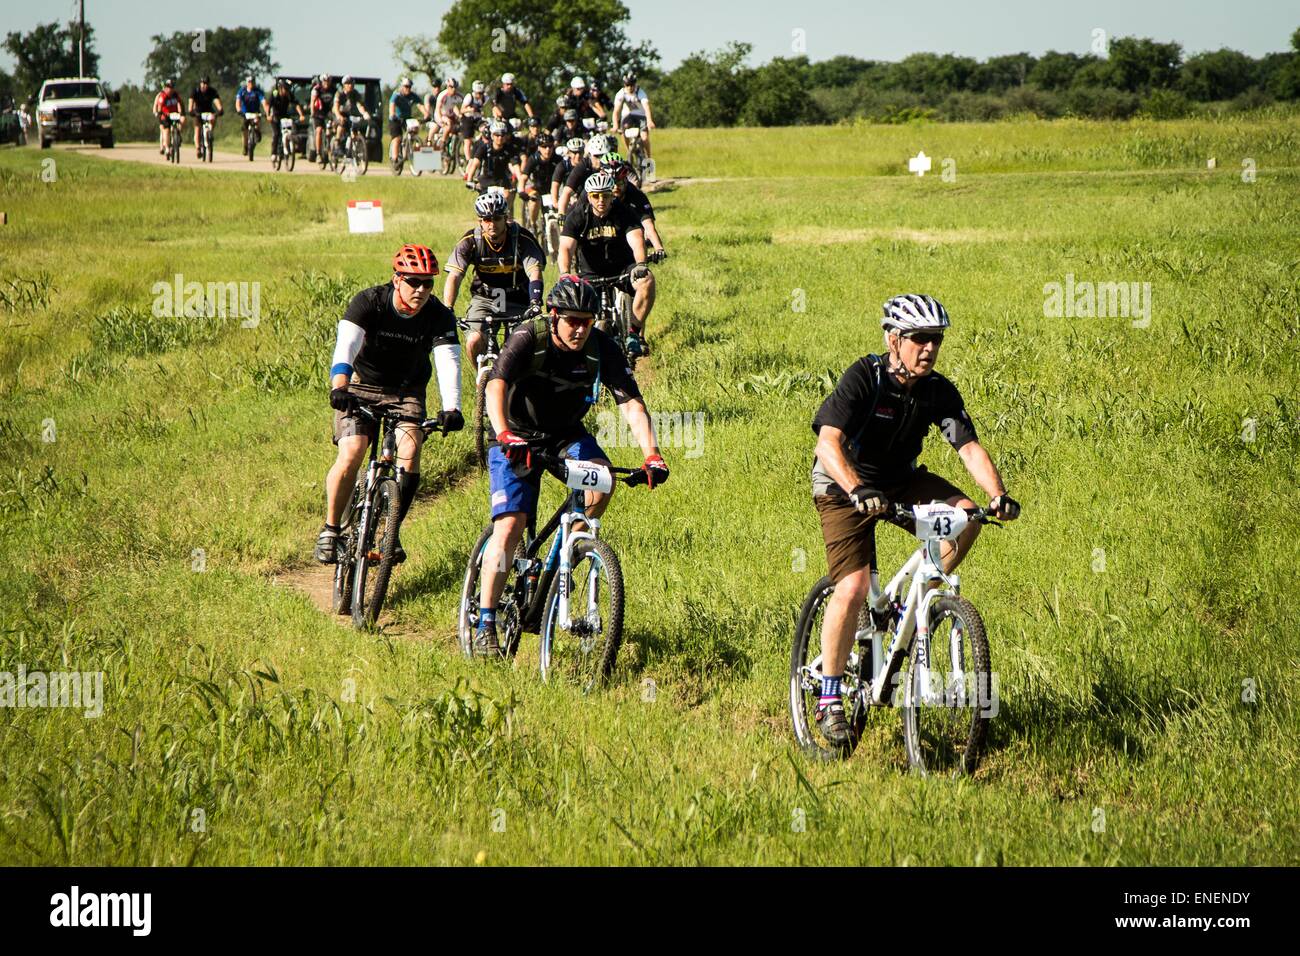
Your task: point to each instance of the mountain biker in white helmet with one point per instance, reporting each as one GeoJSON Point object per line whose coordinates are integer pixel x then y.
{"type": "Point", "coordinates": [870, 431]}
{"type": "Point", "coordinates": [471, 111]}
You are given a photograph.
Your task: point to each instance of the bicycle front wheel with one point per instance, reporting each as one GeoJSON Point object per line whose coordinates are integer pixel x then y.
{"type": "Point", "coordinates": [359, 154]}
{"type": "Point", "coordinates": [376, 555]}
{"type": "Point", "coordinates": [583, 654]}
{"type": "Point", "coordinates": [947, 691]}
{"type": "Point", "coordinates": [806, 680]}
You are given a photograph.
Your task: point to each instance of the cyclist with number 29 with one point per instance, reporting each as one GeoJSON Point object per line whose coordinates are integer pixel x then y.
{"type": "Point", "coordinates": [544, 383]}
{"type": "Point", "coordinates": [869, 434]}
{"type": "Point", "coordinates": [382, 359]}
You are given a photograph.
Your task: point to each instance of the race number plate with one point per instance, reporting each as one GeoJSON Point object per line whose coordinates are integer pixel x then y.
{"type": "Point", "coordinates": [286, 125]}
{"type": "Point", "coordinates": [412, 124]}
{"type": "Point", "coordinates": [207, 117]}
{"type": "Point", "coordinates": [548, 202]}
{"type": "Point", "coordinates": [588, 476]}
{"type": "Point", "coordinates": [938, 522]}
{"type": "Point", "coordinates": [633, 132]}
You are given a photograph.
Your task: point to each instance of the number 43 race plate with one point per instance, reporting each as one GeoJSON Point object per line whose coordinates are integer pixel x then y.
{"type": "Point", "coordinates": [938, 522]}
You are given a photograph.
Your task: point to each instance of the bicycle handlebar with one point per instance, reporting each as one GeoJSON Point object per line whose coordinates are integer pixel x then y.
{"type": "Point", "coordinates": [904, 512]}
{"type": "Point", "coordinates": [629, 476]}
{"type": "Point", "coordinates": [427, 425]}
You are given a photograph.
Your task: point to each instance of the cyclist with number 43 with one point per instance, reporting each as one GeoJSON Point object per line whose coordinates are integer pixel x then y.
{"type": "Point", "coordinates": [544, 383]}
{"type": "Point", "coordinates": [869, 434]}
{"type": "Point", "coordinates": [507, 263]}
{"type": "Point", "coordinates": [381, 359]}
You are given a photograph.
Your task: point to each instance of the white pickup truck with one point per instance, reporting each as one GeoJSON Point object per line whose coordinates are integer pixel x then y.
{"type": "Point", "coordinates": [74, 110]}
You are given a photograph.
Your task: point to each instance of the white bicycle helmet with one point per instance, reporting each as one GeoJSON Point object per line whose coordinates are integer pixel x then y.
{"type": "Point", "coordinates": [477, 86]}
{"type": "Point", "coordinates": [601, 181]}
{"type": "Point", "coordinates": [490, 205]}
{"type": "Point", "coordinates": [913, 313]}
{"type": "Point", "coordinates": [598, 145]}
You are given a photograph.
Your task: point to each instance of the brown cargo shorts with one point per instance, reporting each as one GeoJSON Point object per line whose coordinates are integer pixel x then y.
{"type": "Point", "coordinates": [851, 537]}
{"type": "Point", "coordinates": [347, 424]}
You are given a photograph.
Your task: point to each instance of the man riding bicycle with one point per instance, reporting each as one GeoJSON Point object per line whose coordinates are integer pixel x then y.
{"type": "Point", "coordinates": [508, 98]}
{"type": "Point", "coordinates": [167, 102]}
{"type": "Point", "coordinates": [348, 104]}
{"type": "Point", "coordinates": [508, 264]}
{"type": "Point", "coordinates": [539, 169]}
{"type": "Point", "coordinates": [609, 241]}
{"type": "Point", "coordinates": [544, 383]}
{"type": "Point", "coordinates": [281, 105]}
{"type": "Point", "coordinates": [205, 99]}
{"type": "Point", "coordinates": [471, 112]}
{"type": "Point", "coordinates": [495, 163]}
{"type": "Point", "coordinates": [381, 359]}
{"type": "Point", "coordinates": [632, 108]}
{"type": "Point", "coordinates": [401, 107]}
{"type": "Point", "coordinates": [869, 433]}
{"type": "Point", "coordinates": [446, 111]}
{"type": "Point", "coordinates": [322, 109]}
{"type": "Point", "coordinates": [249, 101]}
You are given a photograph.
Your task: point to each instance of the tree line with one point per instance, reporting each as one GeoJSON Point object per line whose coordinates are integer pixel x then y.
{"type": "Point", "coordinates": [546, 42]}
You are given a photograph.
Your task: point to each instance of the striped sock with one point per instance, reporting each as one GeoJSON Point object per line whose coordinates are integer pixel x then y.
{"type": "Point", "coordinates": [830, 689]}
{"type": "Point", "coordinates": [487, 616]}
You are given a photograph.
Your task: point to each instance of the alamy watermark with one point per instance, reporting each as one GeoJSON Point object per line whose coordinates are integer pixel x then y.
{"type": "Point", "coordinates": [672, 430]}
{"type": "Point", "coordinates": [1101, 300]}
{"type": "Point", "coordinates": [79, 689]}
{"type": "Point", "coordinates": [192, 300]}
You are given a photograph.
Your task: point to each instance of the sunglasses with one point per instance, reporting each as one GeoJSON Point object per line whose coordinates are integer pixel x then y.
{"type": "Point", "coordinates": [925, 338]}
{"type": "Point", "coordinates": [415, 283]}
{"type": "Point", "coordinates": [581, 321]}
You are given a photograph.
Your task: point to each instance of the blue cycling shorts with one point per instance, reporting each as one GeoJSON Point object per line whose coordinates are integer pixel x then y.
{"type": "Point", "coordinates": [511, 493]}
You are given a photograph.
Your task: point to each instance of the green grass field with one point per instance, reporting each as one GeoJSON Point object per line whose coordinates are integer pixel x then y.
{"type": "Point", "coordinates": [1141, 614]}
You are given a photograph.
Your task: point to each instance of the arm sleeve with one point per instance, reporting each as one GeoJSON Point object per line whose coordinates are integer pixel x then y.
{"type": "Point", "coordinates": [347, 346]}
{"type": "Point", "coordinates": [952, 419]}
{"type": "Point", "coordinates": [446, 360]}
{"type": "Point", "coordinates": [615, 374]}
{"type": "Point", "coordinates": [845, 407]}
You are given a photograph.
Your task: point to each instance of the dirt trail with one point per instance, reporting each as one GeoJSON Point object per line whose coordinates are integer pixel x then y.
{"type": "Point", "coordinates": [148, 154]}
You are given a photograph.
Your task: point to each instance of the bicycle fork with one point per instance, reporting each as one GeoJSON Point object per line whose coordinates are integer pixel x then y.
{"type": "Point", "coordinates": [566, 544]}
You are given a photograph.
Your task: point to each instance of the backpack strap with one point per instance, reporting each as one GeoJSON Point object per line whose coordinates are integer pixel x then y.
{"type": "Point", "coordinates": [540, 326]}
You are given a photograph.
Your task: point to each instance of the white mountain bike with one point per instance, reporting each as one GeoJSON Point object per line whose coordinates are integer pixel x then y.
{"type": "Point", "coordinates": [923, 650]}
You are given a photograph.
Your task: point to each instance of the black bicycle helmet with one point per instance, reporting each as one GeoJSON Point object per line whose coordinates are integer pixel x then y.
{"type": "Point", "coordinates": [572, 294]}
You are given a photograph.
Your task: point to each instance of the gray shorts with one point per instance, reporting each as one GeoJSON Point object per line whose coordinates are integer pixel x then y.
{"type": "Point", "coordinates": [347, 424]}
{"type": "Point", "coordinates": [483, 308]}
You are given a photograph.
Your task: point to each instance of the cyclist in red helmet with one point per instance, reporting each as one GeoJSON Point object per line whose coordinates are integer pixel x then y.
{"type": "Point", "coordinates": [382, 360]}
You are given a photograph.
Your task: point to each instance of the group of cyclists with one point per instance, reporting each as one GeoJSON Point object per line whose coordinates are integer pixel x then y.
{"type": "Point", "coordinates": [395, 337]}
{"type": "Point", "coordinates": [548, 376]}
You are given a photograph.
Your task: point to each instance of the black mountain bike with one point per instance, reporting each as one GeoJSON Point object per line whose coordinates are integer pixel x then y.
{"type": "Point", "coordinates": [367, 543]}
{"type": "Point", "coordinates": [573, 597]}
{"type": "Point", "coordinates": [615, 315]}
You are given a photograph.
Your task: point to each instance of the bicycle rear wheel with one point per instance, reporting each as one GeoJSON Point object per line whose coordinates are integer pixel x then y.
{"type": "Point", "coordinates": [806, 680]}
{"type": "Point", "coordinates": [585, 654]}
{"type": "Point", "coordinates": [376, 555]}
{"type": "Point", "coordinates": [948, 699]}
{"type": "Point", "coordinates": [508, 621]}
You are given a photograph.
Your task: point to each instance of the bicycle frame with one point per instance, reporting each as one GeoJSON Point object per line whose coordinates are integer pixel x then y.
{"type": "Point", "coordinates": [922, 573]}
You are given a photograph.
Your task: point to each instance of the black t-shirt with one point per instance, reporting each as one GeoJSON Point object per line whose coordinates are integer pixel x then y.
{"type": "Point", "coordinates": [494, 168]}
{"type": "Point", "coordinates": [579, 173]}
{"type": "Point", "coordinates": [205, 102]}
{"type": "Point", "coordinates": [603, 249]}
{"type": "Point", "coordinates": [541, 171]}
{"type": "Point", "coordinates": [348, 103]}
{"type": "Point", "coordinates": [602, 98]}
{"type": "Point", "coordinates": [395, 353]}
{"type": "Point", "coordinates": [561, 173]}
{"type": "Point", "coordinates": [505, 100]}
{"type": "Point", "coordinates": [503, 268]}
{"type": "Point", "coordinates": [884, 433]}
{"type": "Point", "coordinates": [547, 406]}
{"type": "Point", "coordinates": [282, 105]}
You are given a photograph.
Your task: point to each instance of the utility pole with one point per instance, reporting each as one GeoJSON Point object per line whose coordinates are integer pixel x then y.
{"type": "Point", "coordinates": [81, 40]}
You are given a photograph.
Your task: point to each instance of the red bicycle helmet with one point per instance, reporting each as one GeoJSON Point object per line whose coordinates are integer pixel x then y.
{"type": "Point", "coordinates": [412, 260]}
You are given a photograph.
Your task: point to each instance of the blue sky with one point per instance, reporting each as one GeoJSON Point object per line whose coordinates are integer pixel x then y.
{"type": "Point", "coordinates": [868, 28]}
